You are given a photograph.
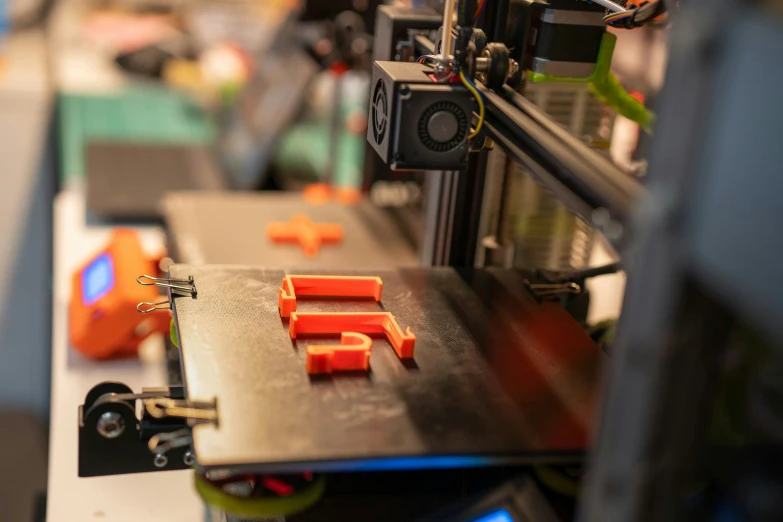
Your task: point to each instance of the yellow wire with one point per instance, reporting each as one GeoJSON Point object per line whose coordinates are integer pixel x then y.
{"type": "Point", "coordinates": [557, 481]}
{"type": "Point", "coordinates": [480, 102]}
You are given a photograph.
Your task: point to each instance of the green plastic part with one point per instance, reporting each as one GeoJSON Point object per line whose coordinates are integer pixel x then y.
{"type": "Point", "coordinates": [606, 86]}
{"type": "Point", "coordinates": [261, 506]}
{"type": "Point", "coordinates": [173, 334]}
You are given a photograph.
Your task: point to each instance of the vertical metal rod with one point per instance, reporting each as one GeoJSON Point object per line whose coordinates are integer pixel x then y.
{"type": "Point", "coordinates": [610, 5]}
{"type": "Point", "coordinates": [448, 18]}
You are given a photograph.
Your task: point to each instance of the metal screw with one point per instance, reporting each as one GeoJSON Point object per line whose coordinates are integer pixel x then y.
{"type": "Point", "coordinates": [188, 458]}
{"type": "Point", "coordinates": [405, 92]}
{"type": "Point", "coordinates": [160, 461]}
{"type": "Point", "coordinates": [110, 425]}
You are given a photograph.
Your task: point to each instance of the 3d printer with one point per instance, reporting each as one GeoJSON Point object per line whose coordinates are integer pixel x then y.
{"type": "Point", "coordinates": [503, 377]}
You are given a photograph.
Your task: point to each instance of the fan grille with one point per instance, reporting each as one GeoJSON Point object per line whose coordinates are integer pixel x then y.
{"type": "Point", "coordinates": [379, 107]}
{"type": "Point", "coordinates": [462, 126]}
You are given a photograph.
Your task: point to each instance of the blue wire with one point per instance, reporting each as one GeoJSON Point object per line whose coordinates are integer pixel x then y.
{"type": "Point", "coordinates": [474, 86]}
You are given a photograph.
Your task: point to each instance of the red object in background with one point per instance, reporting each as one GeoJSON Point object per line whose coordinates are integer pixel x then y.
{"type": "Point", "coordinates": [278, 486]}
{"type": "Point", "coordinates": [320, 193]}
{"type": "Point", "coordinates": [361, 322]}
{"type": "Point", "coordinates": [325, 286]}
{"type": "Point", "coordinates": [102, 317]}
{"type": "Point", "coordinates": [310, 236]}
{"type": "Point", "coordinates": [339, 68]}
{"type": "Point", "coordinates": [353, 353]}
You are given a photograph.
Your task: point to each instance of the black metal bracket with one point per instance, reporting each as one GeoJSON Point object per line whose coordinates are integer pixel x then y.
{"type": "Point", "coordinates": [113, 440]}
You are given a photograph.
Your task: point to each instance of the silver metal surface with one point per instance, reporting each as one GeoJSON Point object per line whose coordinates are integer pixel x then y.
{"type": "Point", "coordinates": [546, 235]}
{"type": "Point", "coordinates": [448, 20]}
{"type": "Point", "coordinates": [440, 191]}
{"type": "Point", "coordinates": [494, 248]}
{"type": "Point", "coordinates": [160, 461]}
{"type": "Point", "coordinates": [563, 69]}
{"type": "Point", "coordinates": [110, 425]}
{"type": "Point", "coordinates": [564, 17]}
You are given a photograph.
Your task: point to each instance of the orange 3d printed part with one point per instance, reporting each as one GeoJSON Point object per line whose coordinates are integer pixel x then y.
{"type": "Point", "coordinates": [102, 318]}
{"type": "Point", "coordinates": [320, 193]}
{"type": "Point", "coordinates": [362, 322]}
{"type": "Point", "coordinates": [325, 286]}
{"type": "Point", "coordinates": [310, 236]}
{"type": "Point", "coordinates": [353, 353]}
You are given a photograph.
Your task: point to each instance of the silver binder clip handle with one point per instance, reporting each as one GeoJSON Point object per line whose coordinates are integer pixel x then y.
{"type": "Point", "coordinates": [195, 412]}
{"type": "Point", "coordinates": [184, 287]}
{"type": "Point", "coordinates": [146, 307]}
{"type": "Point", "coordinates": [162, 443]}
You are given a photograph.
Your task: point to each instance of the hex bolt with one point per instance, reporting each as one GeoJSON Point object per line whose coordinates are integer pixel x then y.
{"type": "Point", "coordinates": [110, 425]}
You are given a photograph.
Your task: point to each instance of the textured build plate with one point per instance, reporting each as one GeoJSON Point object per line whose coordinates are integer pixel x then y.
{"type": "Point", "coordinates": [497, 377]}
{"type": "Point", "coordinates": [207, 227]}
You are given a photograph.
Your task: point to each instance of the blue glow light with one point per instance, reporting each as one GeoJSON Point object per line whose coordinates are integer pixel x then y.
{"type": "Point", "coordinates": [429, 462]}
{"type": "Point", "coordinates": [97, 279]}
{"type": "Point", "coordinates": [500, 515]}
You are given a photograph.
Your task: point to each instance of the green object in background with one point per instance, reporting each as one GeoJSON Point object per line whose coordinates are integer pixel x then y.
{"type": "Point", "coordinates": [137, 114]}
{"type": "Point", "coordinates": [305, 147]}
{"type": "Point", "coordinates": [173, 334]}
{"type": "Point", "coordinates": [606, 86]}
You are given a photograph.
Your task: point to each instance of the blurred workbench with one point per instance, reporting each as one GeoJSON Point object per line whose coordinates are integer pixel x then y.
{"type": "Point", "coordinates": [80, 71]}
{"type": "Point", "coordinates": [152, 497]}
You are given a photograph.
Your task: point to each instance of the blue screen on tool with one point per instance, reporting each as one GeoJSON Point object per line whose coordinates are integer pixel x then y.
{"type": "Point", "coordinates": [500, 515]}
{"type": "Point", "coordinates": [97, 279]}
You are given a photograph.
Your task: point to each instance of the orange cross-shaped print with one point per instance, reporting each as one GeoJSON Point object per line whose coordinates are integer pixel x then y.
{"type": "Point", "coordinates": [309, 235]}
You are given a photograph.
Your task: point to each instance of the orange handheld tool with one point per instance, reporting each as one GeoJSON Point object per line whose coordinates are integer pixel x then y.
{"type": "Point", "coordinates": [325, 286]}
{"type": "Point", "coordinates": [102, 317]}
{"type": "Point", "coordinates": [362, 322]}
{"type": "Point", "coordinates": [353, 353]}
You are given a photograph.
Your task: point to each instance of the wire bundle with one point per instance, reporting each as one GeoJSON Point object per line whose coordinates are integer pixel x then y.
{"type": "Point", "coordinates": [479, 100]}
{"type": "Point", "coordinates": [636, 16]}
{"type": "Point", "coordinates": [479, 10]}
{"type": "Point", "coordinates": [458, 71]}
